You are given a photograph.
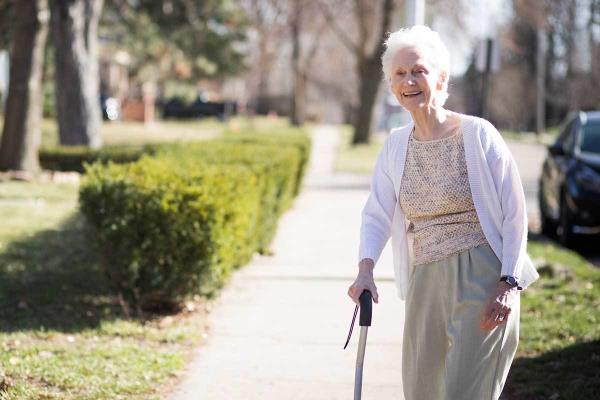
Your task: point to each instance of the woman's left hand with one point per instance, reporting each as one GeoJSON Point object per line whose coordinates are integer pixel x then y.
{"type": "Point", "coordinates": [498, 306]}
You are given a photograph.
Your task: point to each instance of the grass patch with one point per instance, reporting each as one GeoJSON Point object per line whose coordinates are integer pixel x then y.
{"type": "Point", "coordinates": [137, 133]}
{"type": "Point", "coordinates": [559, 351]}
{"type": "Point", "coordinates": [530, 137]}
{"type": "Point", "coordinates": [63, 334]}
{"type": "Point", "coordinates": [118, 133]}
{"type": "Point", "coordinates": [25, 209]}
{"type": "Point", "coordinates": [357, 158]}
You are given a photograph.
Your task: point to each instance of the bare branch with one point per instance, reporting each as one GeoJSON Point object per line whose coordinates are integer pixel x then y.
{"type": "Point", "coordinates": [361, 20]}
{"type": "Point", "coordinates": [341, 34]}
{"type": "Point", "coordinates": [387, 9]}
{"type": "Point", "coordinates": [312, 52]}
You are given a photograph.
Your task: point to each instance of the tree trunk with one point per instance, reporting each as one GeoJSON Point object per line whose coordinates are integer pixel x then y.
{"type": "Point", "coordinates": [264, 70]}
{"type": "Point", "coordinates": [369, 75]}
{"type": "Point", "coordinates": [297, 106]}
{"type": "Point", "coordinates": [75, 34]}
{"type": "Point", "coordinates": [298, 115]}
{"type": "Point", "coordinates": [21, 133]}
{"type": "Point", "coordinates": [540, 77]}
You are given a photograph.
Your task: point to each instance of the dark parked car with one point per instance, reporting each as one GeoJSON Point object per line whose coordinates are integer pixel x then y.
{"type": "Point", "coordinates": [569, 194]}
{"type": "Point", "coordinates": [177, 108]}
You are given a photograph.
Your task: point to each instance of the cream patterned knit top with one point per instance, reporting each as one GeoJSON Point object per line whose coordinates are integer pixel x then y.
{"type": "Point", "coordinates": [436, 199]}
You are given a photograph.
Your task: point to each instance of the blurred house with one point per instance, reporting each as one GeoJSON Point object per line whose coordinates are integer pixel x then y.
{"type": "Point", "coordinates": [136, 101]}
{"type": "Point", "coordinates": [114, 76]}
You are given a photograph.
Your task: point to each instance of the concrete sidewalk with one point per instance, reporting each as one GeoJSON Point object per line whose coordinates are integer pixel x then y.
{"type": "Point", "coordinates": [278, 329]}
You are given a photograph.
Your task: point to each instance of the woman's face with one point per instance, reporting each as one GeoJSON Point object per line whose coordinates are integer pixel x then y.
{"type": "Point", "coordinates": [414, 81]}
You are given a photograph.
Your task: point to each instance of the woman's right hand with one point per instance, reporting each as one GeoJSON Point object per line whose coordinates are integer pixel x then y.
{"type": "Point", "coordinates": [364, 281]}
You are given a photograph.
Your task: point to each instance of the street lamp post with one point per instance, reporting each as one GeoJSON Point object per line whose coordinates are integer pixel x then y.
{"type": "Point", "coordinates": [415, 12]}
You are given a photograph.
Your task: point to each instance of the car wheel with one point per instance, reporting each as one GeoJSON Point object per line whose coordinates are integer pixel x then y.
{"type": "Point", "coordinates": [547, 225]}
{"type": "Point", "coordinates": [565, 225]}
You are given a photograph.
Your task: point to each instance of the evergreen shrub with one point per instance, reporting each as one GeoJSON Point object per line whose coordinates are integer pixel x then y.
{"type": "Point", "coordinates": [177, 222]}
{"type": "Point", "coordinates": [169, 228]}
{"type": "Point", "coordinates": [73, 158]}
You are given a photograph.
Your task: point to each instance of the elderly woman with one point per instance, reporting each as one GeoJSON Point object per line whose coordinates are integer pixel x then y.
{"type": "Point", "coordinates": [447, 190]}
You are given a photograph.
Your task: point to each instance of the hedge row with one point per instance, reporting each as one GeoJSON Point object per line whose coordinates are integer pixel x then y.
{"type": "Point", "coordinates": [74, 158]}
{"type": "Point", "coordinates": [295, 138]}
{"type": "Point", "coordinates": [178, 222]}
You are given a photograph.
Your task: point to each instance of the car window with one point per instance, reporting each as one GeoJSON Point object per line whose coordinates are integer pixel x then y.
{"type": "Point", "coordinates": [565, 129]}
{"type": "Point", "coordinates": [590, 141]}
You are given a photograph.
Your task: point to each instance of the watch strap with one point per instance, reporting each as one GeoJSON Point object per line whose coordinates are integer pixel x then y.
{"type": "Point", "coordinates": [511, 280]}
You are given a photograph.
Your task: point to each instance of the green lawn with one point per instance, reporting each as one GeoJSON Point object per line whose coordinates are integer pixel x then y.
{"type": "Point", "coordinates": [63, 334]}
{"type": "Point", "coordinates": [357, 158]}
{"type": "Point", "coordinates": [117, 133]}
{"type": "Point", "coordinates": [530, 137]}
{"type": "Point", "coordinates": [559, 350]}
{"type": "Point", "coordinates": [134, 133]}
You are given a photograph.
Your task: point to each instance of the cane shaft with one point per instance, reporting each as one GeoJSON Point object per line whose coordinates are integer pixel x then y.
{"type": "Point", "coordinates": [360, 358]}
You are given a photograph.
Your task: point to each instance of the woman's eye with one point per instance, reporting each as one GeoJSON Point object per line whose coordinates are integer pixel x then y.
{"type": "Point", "coordinates": [400, 72]}
{"type": "Point", "coordinates": [420, 71]}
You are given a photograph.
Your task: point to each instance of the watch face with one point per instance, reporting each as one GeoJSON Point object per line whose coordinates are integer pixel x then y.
{"type": "Point", "coordinates": [510, 280]}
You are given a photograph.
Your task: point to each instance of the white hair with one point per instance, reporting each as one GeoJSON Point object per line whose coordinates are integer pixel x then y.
{"type": "Point", "coordinates": [423, 38]}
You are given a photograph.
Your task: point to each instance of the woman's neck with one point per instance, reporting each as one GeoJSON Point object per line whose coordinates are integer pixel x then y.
{"type": "Point", "coordinates": [432, 123]}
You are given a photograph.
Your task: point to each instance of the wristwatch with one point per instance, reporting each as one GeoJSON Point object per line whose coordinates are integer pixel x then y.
{"type": "Point", "coordinates": [511, 280]}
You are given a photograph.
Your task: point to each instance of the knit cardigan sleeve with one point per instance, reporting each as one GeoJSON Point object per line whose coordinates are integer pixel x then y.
{"type": "Point", "coordinates": [378, 212]}
{"type": "Point", "coordinates": [509, 189]}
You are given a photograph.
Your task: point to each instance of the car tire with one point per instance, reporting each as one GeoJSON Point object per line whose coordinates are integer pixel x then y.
{"type": "Point", "coordinates": [565, 224]}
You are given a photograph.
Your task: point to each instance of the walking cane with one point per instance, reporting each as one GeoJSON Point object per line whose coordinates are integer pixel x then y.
{"type": "Point", "coordinates": [366, 307]}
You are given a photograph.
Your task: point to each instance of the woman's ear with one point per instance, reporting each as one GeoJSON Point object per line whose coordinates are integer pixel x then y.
{"type": "Point", "coordinates": [442, 79]}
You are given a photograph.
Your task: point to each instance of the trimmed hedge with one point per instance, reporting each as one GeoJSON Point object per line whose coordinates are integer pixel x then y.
{"type": "Point", "coordinates": [275, 167]}
{"type": "Point", "coordinates": [169, 228]}
{"type": "Point", "coordinates": [73, 158]}
{"type": "Point", "coordinates": [177, 223]}
{"type": "Point", "coordinates": [293, 137]}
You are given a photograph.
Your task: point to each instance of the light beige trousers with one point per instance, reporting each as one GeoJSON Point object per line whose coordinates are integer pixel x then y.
{"type": "Point", "coordinates": [446, 356]}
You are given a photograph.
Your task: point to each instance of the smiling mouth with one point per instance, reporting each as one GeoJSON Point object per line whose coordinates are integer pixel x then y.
{"type": "Point", "coordinates": [412, 94]}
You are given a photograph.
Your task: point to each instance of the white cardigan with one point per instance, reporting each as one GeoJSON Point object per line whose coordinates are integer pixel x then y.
{"type": "Point", "coordinates": [497, 195]}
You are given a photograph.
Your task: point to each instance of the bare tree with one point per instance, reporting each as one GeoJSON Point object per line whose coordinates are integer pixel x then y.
{"type": "Point", "coordinates": [21, 133]}
{"type": "Point", "coordinates": [305, 21]}
{"type": "Point", "coordinates": [297, 106]}
{"type": "Point", "coordinates": [75, 35]}
{"type": "Point", "coordinates": [571, 61]}
{"type": "Point", "coordinates": [373, 21]}
{"type": "Point", "coordinates": [269, 28]}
